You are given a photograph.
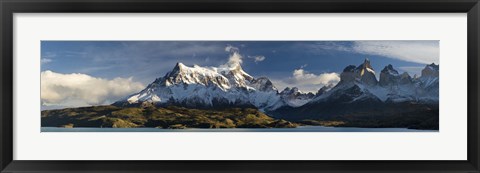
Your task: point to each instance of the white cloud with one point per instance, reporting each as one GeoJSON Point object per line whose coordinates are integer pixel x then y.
{"type": "Point", "coordinates": [45, 60]}
{"type": "Point", "coordinates": [306, 81]}
{"type": "Point", "coordinates": [319, 47]}
{"type": "Point", "coordinates": [257, 58]}
{"type": "Point", "coordinates": [424, 52]}
{"type": "Point", "coordinates": [47, 57]}
{"type": "Point", "coordinates": [301, 76]}
{"type": "Point", "coordinates": [76, 89]}
{"type": "Point", "coordinates": [235, 57]}
{"type": "Point", "coordinates": [231, 49]}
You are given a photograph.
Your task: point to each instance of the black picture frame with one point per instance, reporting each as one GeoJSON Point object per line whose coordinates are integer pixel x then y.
{"type": "Point", "coordinates": [9, 7]}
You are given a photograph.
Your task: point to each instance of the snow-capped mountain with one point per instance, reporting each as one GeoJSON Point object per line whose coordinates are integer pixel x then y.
{"type": "Point", "coordinates": [358, 83]}
{"type": "Point", "coordinates": [324, 89]}
{"type": "Point", "coordinates": [390, 77]}
{"type": "Point", "coordinates": [428, 83]}
{"type": "Point", "coordinates": [359, 93]}
{"type": "Point", "coordinates": [230, 86]}
{"type": "Point", "coordinates": [208, 87]}
{"type": "Point", "coordinates": [295, 98]}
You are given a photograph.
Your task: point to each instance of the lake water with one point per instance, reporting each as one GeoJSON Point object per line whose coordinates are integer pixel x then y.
{"type": "Point", "coordinates": [298, 129]}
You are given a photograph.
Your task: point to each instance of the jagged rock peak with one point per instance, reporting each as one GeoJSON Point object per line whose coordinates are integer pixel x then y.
{"type": "Point", "coordinates": [363, 73]}
{"type": "Point", "coordinates": [434, 66]}
{"type": "Point", "coordinates": [405, 78]}
{"type": "Point", "coordinates": [176, 70]}
{"type": "Point", "coordinates": [366, 73]}
{"type": "Point", "coordinates": [263, 84]}
{"type": "Point", "coordinates": [295, 91]}
{"type": "Point", "coordinates": [325, 89]}
{"type": "Point", "coordinates": [365, 64]}
{"type": "Point", "coordinates": [289, 90]}
{"type": "Point", "coordinates": [389, 70]}
{"type": "Point", "coordinates": [350, 68]}
{"type": "Point", "coordinates": [235, 73]}
{"type": "Point", "coordinates": [389, 76]}
{"type": "Point", "coordinates": [404, 75]}
{"type": "Point", "coordinates": [182, 74]}
{"type": "Point", "coordinates": [431, 70]}
{"type": "Point", "coordinates": [348, 74]}
{"type": "Point", "coordinates": [294, 97]}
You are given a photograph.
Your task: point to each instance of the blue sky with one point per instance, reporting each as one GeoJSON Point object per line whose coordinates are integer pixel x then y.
{"type": "Point", "coordinates": [140, 62]}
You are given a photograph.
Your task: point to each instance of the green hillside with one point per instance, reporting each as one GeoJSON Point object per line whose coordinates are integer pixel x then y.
{"type": "Point", "coordinates": [169, 118]}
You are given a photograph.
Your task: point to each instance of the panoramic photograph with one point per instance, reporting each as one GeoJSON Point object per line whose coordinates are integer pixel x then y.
{"type": "Point", "coordinates": [240, 86]}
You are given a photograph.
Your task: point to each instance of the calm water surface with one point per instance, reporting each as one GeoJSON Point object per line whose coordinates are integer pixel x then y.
{"type": "Point", "coordinates": [298, 129]}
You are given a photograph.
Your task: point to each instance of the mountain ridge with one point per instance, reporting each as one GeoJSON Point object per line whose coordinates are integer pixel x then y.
{"type": "Point", "coordinates": [230, 86]}
{"type": "Point", "coordinates": [358, 94]}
